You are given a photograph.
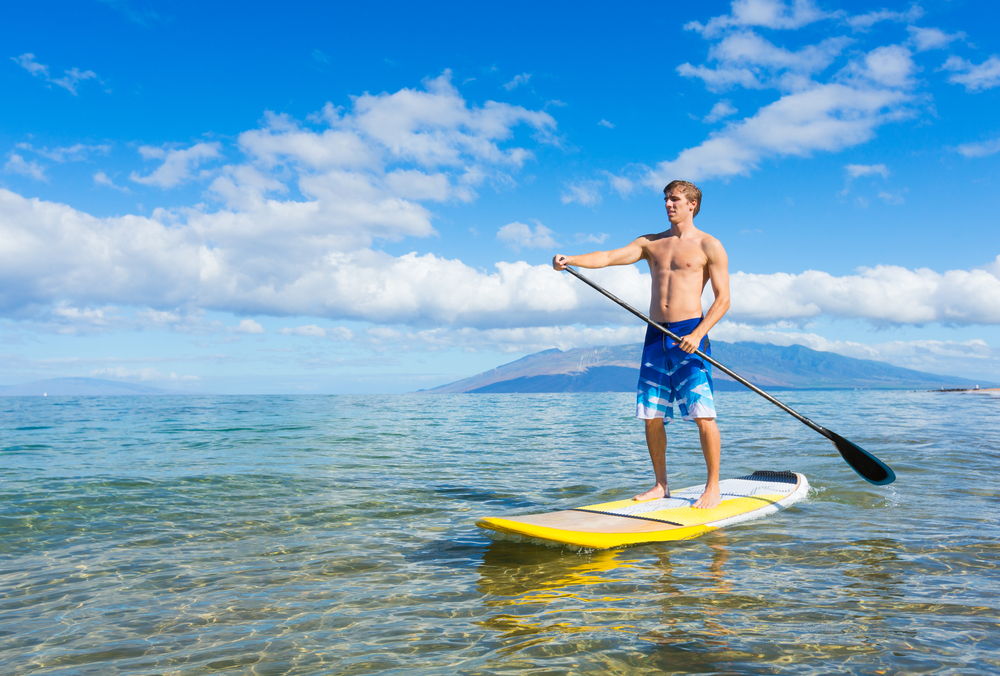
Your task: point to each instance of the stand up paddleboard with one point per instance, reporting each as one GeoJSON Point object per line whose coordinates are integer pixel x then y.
{"type": "Point", "coordinates": [627, 522]}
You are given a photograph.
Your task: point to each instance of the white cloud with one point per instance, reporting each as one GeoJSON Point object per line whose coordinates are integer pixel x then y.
{"type": "Point", "coordinates": [590, 238]}
{"type": "Point", "coordinates": [74, 153]}
{"type": "Point", "coordinates": [857, 170]}
{"type": "Point", "coordinates": [18, 165]}
{"type": "Point", "coordinates": [586, 193]}
{"type": "Point", "coordinates": [27, 61]}
{"type": "Point", "coordinates": [72, 78]}
{"type": "Point", "coordinates": [889, 66]}
{"type": "Point", "coordinates": [623, 185]}
{"type": "Point", "coordinates": [924, 39]}
{"type": "Point", "coordinates": [748, 60]}
{"type": "Point", "coordinates": [975, 78]}
{"type": "Point", "coordinates": [246, 326]}
{"type": "Point", "coordinates": [314, 331]}
{"type": "Point", "coordinates": [605, 123]}
{"type": "Point", "coordinates": [764, 13]}
{"type": "Point", "coordinates": [827, 117]}
{"type": "Point", "coordinates": [983, 149]}
{"type": "Point", "coordinates": [720, 110]}
{"type": "Point", "coordinates": [69, 81]}
{"type": "Point", "coordinates": [140, 262]}
{"type": "Point", "coordinates": [517, 81]}
{"type": "Point", "coordinates": [177, 164]}
{"type": "Point", "coordinates": [144, 374]}
{"type": "Point", "coordinates": [882, 295]}
{"type": "Point", "coordinates": [100, 178]}
{"type": "Point", "coordinates": [722, 78]}
{"type": "Point", "coordinates": [520, 236]}
{"type": "Point", "coordinates": [892, 198]}
{"type": "Point", "coordinates": [863, 22]}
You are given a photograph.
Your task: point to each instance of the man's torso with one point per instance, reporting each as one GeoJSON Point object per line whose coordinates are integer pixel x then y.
{"type": "Point", "coordinates": [679, 267]}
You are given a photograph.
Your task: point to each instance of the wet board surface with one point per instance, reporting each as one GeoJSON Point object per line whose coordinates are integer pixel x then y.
{"type": "Point", "coordinates": [627, 522]}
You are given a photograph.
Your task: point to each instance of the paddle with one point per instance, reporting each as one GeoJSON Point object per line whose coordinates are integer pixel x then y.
{"type": "Point", "coordinates": [870, 468]}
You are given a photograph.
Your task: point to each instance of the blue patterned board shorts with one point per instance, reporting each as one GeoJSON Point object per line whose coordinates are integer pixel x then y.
{"type": "Point", "coordinates": [670, 376]}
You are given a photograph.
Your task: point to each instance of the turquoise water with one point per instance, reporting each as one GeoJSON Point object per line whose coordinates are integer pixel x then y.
{"type": "Point", "coordinates": [335, 535]}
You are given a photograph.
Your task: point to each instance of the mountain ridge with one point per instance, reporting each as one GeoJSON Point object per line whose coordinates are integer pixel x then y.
{"type": "Point", "coordinates": [615, 369]}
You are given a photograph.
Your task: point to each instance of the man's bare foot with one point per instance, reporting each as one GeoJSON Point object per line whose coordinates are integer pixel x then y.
{"type": "Point", "coordinates": [654, 493]}
{"type": "Point", "coordinates": [710, 499]}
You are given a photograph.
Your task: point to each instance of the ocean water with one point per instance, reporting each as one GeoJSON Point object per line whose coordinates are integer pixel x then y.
{"type": "Point", "coordinates": [335, 535]}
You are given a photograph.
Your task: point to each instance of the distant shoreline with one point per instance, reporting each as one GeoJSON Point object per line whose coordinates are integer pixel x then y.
{"type": "Point", "coordinates": [969, 389]}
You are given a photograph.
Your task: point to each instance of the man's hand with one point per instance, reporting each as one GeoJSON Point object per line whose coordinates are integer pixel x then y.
{"type": "Point", "coordinates": [559, 262]}
{"type": "Point", "coordinates": [689, 343]}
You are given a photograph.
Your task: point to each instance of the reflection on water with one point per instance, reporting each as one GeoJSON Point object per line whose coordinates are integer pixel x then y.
{"type": "Point", "coordinates": [298, 535]}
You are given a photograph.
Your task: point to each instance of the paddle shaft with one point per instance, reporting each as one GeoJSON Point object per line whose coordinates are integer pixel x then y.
{"type": "Point", "coordinates": [732, 374]}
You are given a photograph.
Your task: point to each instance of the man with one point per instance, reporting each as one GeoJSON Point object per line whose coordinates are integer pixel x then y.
{"type": "Point", "coordinates": [681, 260]}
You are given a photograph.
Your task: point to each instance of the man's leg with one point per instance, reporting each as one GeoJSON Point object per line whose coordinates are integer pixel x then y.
{"type": "Point", "coordinates": [711, 448]}
{"type": "Point", "coordinates": [656, 440]}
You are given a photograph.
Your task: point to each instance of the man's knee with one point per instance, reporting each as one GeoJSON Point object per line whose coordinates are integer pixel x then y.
{"type": "Point", "coordinates": [652, 423]}
{"type": "Point", "coordinates": [705, 423]}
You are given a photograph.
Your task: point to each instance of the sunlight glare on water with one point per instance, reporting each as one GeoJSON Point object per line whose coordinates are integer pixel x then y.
{"type": "Point", "coordinates": [335, 535]}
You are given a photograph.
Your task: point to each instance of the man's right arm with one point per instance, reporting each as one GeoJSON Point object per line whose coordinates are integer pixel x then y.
{"type": "Point", "coordinates": [627, 255]}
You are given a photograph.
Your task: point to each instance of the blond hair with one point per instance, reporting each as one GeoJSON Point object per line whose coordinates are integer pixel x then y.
{"type": "Point", "coordinates": [689, 190]}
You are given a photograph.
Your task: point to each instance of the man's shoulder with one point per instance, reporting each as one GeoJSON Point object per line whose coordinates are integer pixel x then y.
{"type": "Point", "coordinates": [712, 246]}
{"type": "Point", "coordinates": [654, 237]}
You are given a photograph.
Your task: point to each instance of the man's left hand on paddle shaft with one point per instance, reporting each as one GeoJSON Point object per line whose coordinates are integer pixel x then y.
{"type": "Point", "coordinates": [689, 343]}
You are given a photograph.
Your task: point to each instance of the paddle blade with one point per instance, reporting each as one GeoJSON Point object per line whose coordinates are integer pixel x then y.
{"type": "Point", "coordinates": [870, 468]}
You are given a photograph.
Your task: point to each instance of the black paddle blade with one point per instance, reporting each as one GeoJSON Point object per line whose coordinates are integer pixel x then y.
{"type": "Point", "coordinates": [870, 468]}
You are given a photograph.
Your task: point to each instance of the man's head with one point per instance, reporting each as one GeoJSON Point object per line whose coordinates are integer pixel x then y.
{"type": "Point", "coordinates": [689, 190]}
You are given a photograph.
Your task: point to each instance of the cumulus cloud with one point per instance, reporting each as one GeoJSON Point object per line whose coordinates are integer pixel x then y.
{"type": "Point", "coordinates": [77, 152]}
{"type": "Point", "coordinates": [177, 163]}
{"type": "Point", "coordinates": [69, 81]}
{"type": "Point", "coordinates": [827, 117]}
{"type": "Point", "coordinates": [51, 253]}
{"type": "Point", "coordinates": [623, 185]}
{"type": "Point", "coordinates": [246, 326]}
{"type": "Point", "coordinates": [924, 39]}
{"type": "Point", "coordinates": [975, 78]}
{"type": "Point", "coordinates": [889, 66]}
{"type": "Point", "coordinates": [811, 115]}
{"type": "Point", "coordinates": [143, 374]}
{"type": "Point", "coordinates": [520, 236]}
{"type": "Point", "coordinates": [863, 22]}
{"type": "Point", "coordinates": [517, 81]}
{"type": "Point", "coordinates": [16, 164]}
{"type": "Point", "coordinates": [883, 295]}
{"type": "Point", "coordinates": [982, 149]}
{"type": "Point", "coordinates": [856, 170]}
{"type": "Point", "coordinates": [747, 60]}
{"type": "Point", "coordinates": [314, 331]}
{"type": "Point", "coordinates": [774, 14]}
{"type": "Point", "coordinates": [720, 110]}
{"type": "Point", "coordinates": [100, 178]}
{"type": "Point", "coordinates": [586, 193]}
{"type": "Point", "coordinates": [605, 123]}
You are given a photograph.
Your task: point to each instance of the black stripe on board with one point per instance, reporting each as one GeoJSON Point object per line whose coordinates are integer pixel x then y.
{"type": "Point", "coordinates": [627, 516]}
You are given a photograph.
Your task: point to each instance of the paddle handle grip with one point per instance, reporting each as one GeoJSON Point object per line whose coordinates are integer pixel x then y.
{"type": "Point", "coordinates": [732, 374]}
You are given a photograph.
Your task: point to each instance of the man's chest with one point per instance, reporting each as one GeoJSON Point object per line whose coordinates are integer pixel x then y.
{"type": "Point", "coordinates": [674, 255]}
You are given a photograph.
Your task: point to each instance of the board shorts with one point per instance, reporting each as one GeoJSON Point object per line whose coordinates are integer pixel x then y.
{"type": "Point", "coordinates": [670, 376]}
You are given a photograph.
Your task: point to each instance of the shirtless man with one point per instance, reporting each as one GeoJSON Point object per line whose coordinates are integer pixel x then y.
{"type": "Point", "coordinates": [682, 260]}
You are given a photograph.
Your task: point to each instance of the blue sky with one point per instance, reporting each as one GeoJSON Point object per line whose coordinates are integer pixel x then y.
{"type": "Point", "coordinates": [330, 197]}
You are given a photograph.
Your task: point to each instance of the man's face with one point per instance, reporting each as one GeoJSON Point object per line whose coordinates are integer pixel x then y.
{"type": "Point", "coordinates": [679, 209]}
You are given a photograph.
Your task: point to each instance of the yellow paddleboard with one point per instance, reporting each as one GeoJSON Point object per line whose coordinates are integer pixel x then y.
{"type": "Point", "coordinates": [627, 522]}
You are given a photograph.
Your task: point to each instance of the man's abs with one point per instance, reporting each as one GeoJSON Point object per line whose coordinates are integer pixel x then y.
{"type": "Point", "coordinates": [676, 296]}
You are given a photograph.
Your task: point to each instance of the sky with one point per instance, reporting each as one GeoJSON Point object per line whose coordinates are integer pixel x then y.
{"type": "Point", "coordinates": [366, 197]}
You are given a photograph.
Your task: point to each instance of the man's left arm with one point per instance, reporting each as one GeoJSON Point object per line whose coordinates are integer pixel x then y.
{"type": "Point", "coordinates": [718, 275]}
